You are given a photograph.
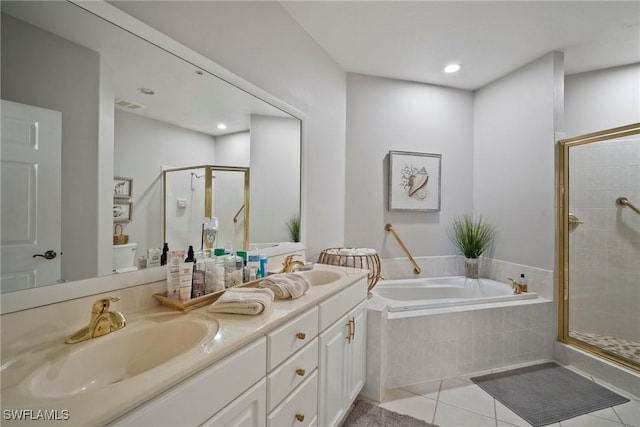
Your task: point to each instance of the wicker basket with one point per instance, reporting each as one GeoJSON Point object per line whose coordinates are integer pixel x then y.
{"type": "Point", "coordinates": [118, 237]}
{"type": "Point", "coordinates": [343, 258]}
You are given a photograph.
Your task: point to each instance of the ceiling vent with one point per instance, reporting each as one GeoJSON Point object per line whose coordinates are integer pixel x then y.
{"type": "Point", "coordinates": [127, 105]}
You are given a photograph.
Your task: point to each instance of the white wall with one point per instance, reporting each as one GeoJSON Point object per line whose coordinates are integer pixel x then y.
{"type": "Point", "coordinates": [275, 153]}
{"type": "Point", "coordinates": [44, 70]}
{"type": "Point", "coordinates": [141, 145]}
{"type": "Point", "coordinates": [515, 118]}
{"type": "Point", "coordinates": [233, 149]}
{"type": "Point", "coordinates": [268, 48]}
{"type": "Point", "coordinates": [603, 99]}
{"type": "Point", "coordinates": [383, 115]}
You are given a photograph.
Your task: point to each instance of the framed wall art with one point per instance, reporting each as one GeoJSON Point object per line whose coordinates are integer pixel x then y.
{"type": "Point", "coordinates": [122, 187]}
{"type": "Point", "coordinates": [122, 211]}
{"type": "Point", "coordinates": [414, 181]}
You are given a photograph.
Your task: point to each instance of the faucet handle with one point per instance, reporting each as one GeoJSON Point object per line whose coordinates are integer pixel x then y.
{"type": "Point", "coordinates": [102, 305]}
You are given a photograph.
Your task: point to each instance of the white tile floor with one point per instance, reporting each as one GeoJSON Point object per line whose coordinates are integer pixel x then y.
{"type": "Point", "coordinates": [458, 402]}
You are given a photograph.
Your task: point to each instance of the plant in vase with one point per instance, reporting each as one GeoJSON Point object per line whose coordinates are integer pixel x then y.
{"type": "Point", "coordinates": [472, 236]}
{"type": "Point", "coordinates": [293, 224]}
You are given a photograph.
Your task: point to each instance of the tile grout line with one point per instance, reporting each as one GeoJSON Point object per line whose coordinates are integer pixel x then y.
{"type": "Point", "coordinates": [435, 410]}
{"type": "Point", "coordinates": [619, 417]}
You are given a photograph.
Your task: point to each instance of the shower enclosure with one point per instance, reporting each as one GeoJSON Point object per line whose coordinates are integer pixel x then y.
{"type": "Point", "coordinates": [599, 244]}
{"type": "Point", "coordinates": [192, 194]}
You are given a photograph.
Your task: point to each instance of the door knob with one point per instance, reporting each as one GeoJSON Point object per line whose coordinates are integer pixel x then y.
{"type": "Point", "coordinates": [47, 255]}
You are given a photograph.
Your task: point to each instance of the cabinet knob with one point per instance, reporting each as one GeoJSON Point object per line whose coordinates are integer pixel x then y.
{"type": "Point", "coordinates": [301, 335]}
{"type": "Point", "coordinates": [300, 417]}
{"type": "Point", "coordinates": [300, 372]}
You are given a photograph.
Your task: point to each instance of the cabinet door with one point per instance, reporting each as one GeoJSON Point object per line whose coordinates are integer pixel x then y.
{"type": "Point", "coordinates": [356, 353]}
{"type": "Point", "coordinates": [248, 410]}
{"type": "Point", "coordinates": [342, 366]}
{"type": "Point", "coordinates": [333, 369]}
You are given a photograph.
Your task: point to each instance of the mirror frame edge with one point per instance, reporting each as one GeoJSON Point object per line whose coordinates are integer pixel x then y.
{"type": "Point", "coordinates": [37, 297]}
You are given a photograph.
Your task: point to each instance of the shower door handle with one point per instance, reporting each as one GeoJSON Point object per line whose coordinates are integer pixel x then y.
{"type": "Point", "coordinates": [46, 255]}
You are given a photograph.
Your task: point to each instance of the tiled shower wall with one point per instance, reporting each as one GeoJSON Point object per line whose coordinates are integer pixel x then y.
{"type": "Point", "coordinates": [604, 251]}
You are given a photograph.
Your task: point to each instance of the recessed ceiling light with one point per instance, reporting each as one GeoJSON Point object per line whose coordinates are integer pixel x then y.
{"type": "Point", "coordinates": [452, 68]}
{"type": "Point", "coordinates": [146, 91]}
{"type": "Point", "coordinates": [222, 126]}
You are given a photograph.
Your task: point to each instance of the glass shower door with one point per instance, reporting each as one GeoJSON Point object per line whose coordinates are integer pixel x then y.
{"type": "Point", "coordinates": [600, 244]}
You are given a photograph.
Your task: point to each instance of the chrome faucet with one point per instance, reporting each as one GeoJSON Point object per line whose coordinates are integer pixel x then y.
{"type": "Point", "coordinates": [289, 264]}
{"type": "Point", "coordinates": [102, 322]}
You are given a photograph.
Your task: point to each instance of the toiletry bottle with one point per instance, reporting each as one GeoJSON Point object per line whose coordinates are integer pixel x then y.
{"type": "Point", "coordinates": [524, 287]}
{"type": "Point", "coordinates": [198, 281]}
{"type": "Point", "coordinates": [254, 263]}
{"type": "Point", "coordinates": [190, 256]}
{"type": "Point", "coordinates": [209, 231]}
{"type": "Point", "coordinates": [262, 271]}
{"type": "Point", "coordinates": [245, 271]}
{"type": "Point", "coordinates": [163, 257]}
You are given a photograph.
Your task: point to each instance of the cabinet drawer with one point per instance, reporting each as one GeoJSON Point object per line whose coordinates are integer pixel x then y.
{"type": "Point", "coordinates": [249, 409]}
{"type": "Point", "coordinates": [336, 306]}
{"type": "Point", "coordinates": [300, 408]}
{"type": "Point", "coordinates": [194, 401]}
{"type": "Point", "coordinates": [291, 373]}
{"type": "Point", "coordinates": [291, 337]}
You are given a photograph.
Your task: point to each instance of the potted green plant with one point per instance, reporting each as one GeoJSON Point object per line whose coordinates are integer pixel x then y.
{"type": "Point", "coordinates": [293, 224]}
{"type": "Point", "coordinates": [472, 236]}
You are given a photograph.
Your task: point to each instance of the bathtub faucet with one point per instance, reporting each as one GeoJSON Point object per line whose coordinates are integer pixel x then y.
{"type": "Point", "coordinates": [515, 286]}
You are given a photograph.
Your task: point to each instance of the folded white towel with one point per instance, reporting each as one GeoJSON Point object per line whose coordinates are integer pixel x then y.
{"type": "Point", "coordinates": [243, 301]}
{"type": "Point", "coordinates": [351, 251]}
{"type": "Point", "coordinates": [286, 285]}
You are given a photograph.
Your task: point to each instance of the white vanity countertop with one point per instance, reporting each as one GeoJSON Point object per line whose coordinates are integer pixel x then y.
{"type": "Point", "coordinates": [106, 403]}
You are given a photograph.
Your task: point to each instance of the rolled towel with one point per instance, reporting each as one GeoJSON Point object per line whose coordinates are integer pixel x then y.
{"type": "Point", "coordinates": [243, 301]}
{"type": "Point", "coordinates": [286, 285]}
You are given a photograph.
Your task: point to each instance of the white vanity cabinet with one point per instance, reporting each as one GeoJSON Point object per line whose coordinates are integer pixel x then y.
{"type": "Point", "coordinates": [292, 396]}
{"type": "Point", "coordinates": [304, 373]}
{"type": "Point", "coordinates": [196, 400]}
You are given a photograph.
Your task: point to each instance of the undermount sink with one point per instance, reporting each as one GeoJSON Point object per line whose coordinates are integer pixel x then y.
{"type": "Point", "coordinates": [113, 358]}
{"type": "Point", "coordinates": [321, 277]}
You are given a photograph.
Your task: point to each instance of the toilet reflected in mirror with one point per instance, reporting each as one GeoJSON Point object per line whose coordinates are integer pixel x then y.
{"type": "Point", "coordinates": [124, 257]}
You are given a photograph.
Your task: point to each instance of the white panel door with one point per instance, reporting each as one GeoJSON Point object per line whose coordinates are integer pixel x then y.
{"type": "Point", "coordinates": [30, 195]}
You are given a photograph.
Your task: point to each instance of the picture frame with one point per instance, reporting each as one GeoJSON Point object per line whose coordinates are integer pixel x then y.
{"type": "Point", "coordinates": [414, 181]}
{"type": "Point", "coordinates": [122, 211]}
{"type": "Point", "coordinates": [122, 187]}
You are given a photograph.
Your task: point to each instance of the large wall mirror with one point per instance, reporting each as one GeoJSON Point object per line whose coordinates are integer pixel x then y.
{"type": "Point", "coordinates": [91, 116]}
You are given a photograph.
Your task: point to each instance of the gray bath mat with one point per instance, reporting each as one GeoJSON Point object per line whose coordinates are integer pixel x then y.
{"type": "Point", "coordinates": [364, 414]}
{"type": "Point", "coordinates": [547, 393]}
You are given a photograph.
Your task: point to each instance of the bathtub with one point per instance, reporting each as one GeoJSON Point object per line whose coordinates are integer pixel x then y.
{"type": "Point", "coordinates": [420, 330]}
{"type": "Point", "coordinates": [418, 294]}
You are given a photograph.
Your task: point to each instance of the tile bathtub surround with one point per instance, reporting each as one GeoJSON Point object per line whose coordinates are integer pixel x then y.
{"type": "Point", "coordinates": [540, 280]}
{"type": "Point", "coordinates": [458, 402]}
{"type": "Point", "coordinates": [409, 350]}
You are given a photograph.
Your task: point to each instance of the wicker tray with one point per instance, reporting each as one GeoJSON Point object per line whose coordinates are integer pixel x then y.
{"type": "Point", "coordinates": [369, 262]}
{"type": "Point", "coordinates": [194, 303]}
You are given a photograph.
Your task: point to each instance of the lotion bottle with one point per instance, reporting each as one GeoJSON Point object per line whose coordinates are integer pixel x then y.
{"type": "Point", "coordinates": [524, 287]}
